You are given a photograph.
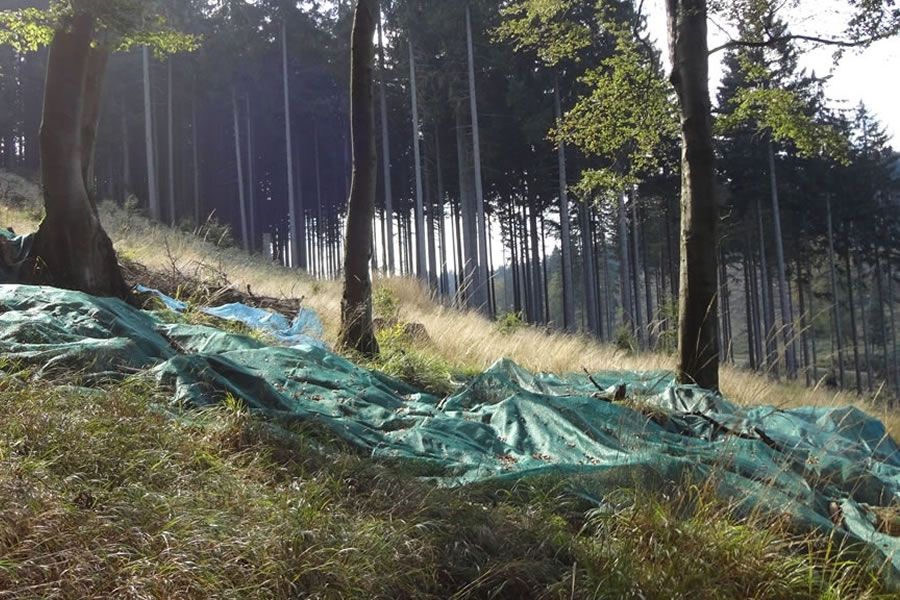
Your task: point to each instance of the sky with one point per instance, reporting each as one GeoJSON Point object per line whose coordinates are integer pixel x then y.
{"type": "Point", "coordinates": [871, 76]}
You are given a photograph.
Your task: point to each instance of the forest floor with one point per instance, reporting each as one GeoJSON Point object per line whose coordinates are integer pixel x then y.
{"type": "Point", "coordinates": [103, 494]}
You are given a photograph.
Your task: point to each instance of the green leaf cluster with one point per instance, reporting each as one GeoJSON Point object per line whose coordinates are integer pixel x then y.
{"type": "Point", "coordinates": [120, 25]}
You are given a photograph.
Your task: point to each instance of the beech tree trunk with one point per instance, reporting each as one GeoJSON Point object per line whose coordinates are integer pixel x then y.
{"type": "Point", "coordinates": [698, 354]}
{"type": "Point", "coordinates": [71, 249]}
{"type": "Point", "coordinates": [357, 331]}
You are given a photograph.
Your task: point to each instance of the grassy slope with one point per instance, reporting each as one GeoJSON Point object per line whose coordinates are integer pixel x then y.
{"type": "Point", "coordinates": [103, 495]}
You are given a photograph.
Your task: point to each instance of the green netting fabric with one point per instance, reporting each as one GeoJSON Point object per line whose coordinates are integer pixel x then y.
{"type": "Point", "coordinates": [505, 423]}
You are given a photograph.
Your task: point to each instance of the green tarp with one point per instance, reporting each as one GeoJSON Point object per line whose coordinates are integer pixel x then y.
{"type": "Point", "coordinates": [504, 423]}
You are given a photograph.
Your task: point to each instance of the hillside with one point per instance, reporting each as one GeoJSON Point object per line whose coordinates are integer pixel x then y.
{"type": "Point", "coordinates": [110, 489]}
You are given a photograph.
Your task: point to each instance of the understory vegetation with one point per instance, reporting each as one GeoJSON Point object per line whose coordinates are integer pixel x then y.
{"type": "Point", "coordinates": [116, 492]}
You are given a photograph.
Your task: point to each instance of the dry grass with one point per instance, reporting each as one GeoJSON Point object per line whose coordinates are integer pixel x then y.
{"type": "Point", "coordinates": [460, 338]}
{"type": "Point", "coordinates": [105, 494]}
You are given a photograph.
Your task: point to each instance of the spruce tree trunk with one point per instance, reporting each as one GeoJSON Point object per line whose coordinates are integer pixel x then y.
{"type": "Point", "coordinates": [564, 225]}
{"type": "Point", "coordinates": [71, 249]}
{"type": "Point", "coordinates": [195, 154]}
{"type": "Point", "coordinates": [804, 325]}
{"type": "Point", "coordinates": [852, 308]}
{"type": "Point", "coordinates": [636, 271]}
{"type": "Point", "coordinates": [768, 310]}
{"type": "Point", "coordinates": [480, 291]}
{"type": "Point", "coordinates": [297, 244]}
{"type": "Point", "coordinates": [748, 304]}
{"type": "Point", "coordinates": [239, 169]}
{"type": "Point", "coordinates": [251, 179]}
{"type": "Point", "coordinates": [386, 157]}
{"type": "Point", "coordinates": [536, 271]}
{"type": "Point", "coordinates": [171, 144]}
{"type": "Point", "coordinates": [625, 268]}
{"type": "Point", "coordinates": [835, 300]}
{"type": "Point", "coordinates": [430, 226]}
{"type": "Point", "coordinates": [588, 268]}
{"type": "Point", "coordinates": [442, 238]}
{"type": "Point", "coordinates": [421, 270]}
{"type": "Point", "coordinates": [357, 332]}
{"type": "Point", "coordinates": [470, 284]}
{"type": "Point", "coordinates": [698, 355]}
{"type": "Point", "coordinates": [126, 156]}
{"type": "Point", "coordinates": [787, 318]}
{"type": "Point", "coordinates": [152, 193]}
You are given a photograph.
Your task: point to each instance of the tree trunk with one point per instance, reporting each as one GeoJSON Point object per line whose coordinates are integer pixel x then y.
{"type": "Point", "coordinates": [787, 318]}
{"type": "Point", "coordinates": [152, 193]}
{"type": "Point", "coordinates": [93, 97]}
{"type": "Point", "coordinates": [357, 332]}
{"type": "Point", "coordinates": [698, 356]}
{"type": "Point", "coordinates": [625, 268]}
{"type": "Point", "coordinates": [126, 155]}
{"type": "Point", "coordinates": [421, 270]}
{"type": "Point", "coordinates": [171, 142]}
{"type": "Point", "coordinates": [297, 244]}
{"type": "Point", "coordinates": [239, 169]}
{"type": "Point", "coordinates": [564, 226]}
{"type": "Point", "coordinates": [835, 302]}
{"type": "Point", "coordinates": [470, 269]}
{"type": "Point", "coordinates": [71, 249]}
{"type": "Point", "coordinates": [251, 179]}
{"type": "Point", "coordinates": [588, 268]}
{"type": "Point", "coordinates": [195, 154]}
{"type": "Point", "coordinates": [536, 271]}
{"type": "Point", "coordinates": [748, 303]}
{"type": "Point", "coordinates": [636, 272]}
{"type": "Point", "coordinates": [386, 157]}
{"type": "Point", "coordinates": [480, 290]}
{"type": "Point", "coordinates": [768, 310]}
{"type": "Point", "coordinates": [852, 308]}
{"type": "Point", "coordinates": [442, 238]}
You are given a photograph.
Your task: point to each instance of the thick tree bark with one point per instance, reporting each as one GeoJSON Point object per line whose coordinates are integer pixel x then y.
{"type": "Point", "coordinates": [698, 354]}
{"type": "Point", "coordinates": [357, 331]}
{"type": "Point", "coordinates": [564, 226]}
{"type": "Point", "coordinates": [90, 118]}
{"type": "Point", "coordinates": [71, 249]}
